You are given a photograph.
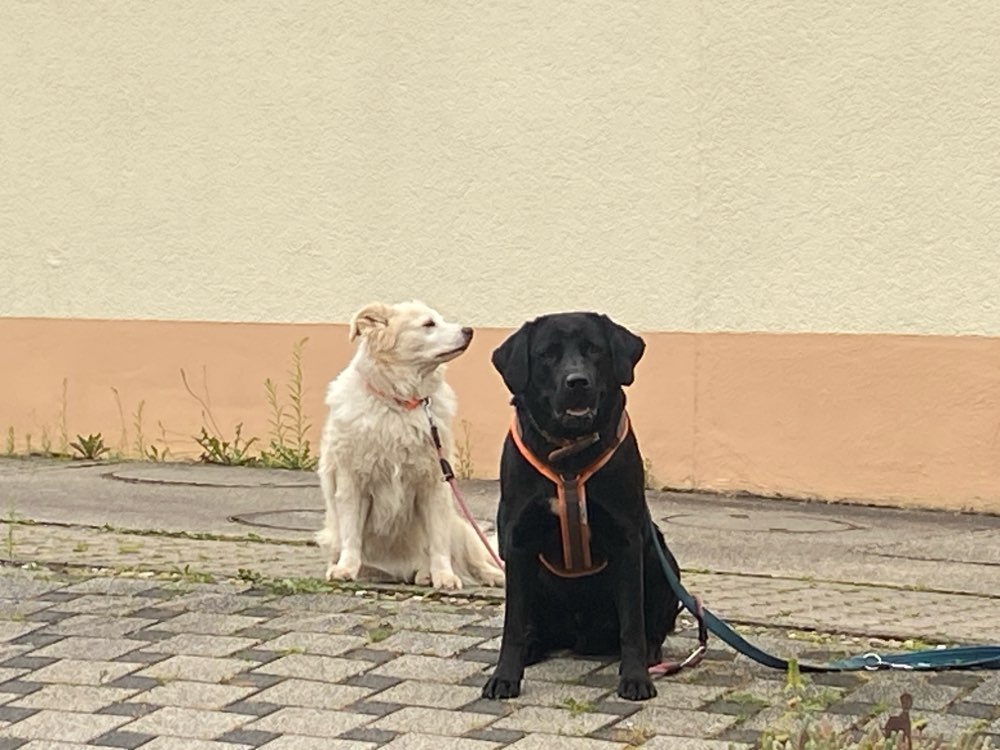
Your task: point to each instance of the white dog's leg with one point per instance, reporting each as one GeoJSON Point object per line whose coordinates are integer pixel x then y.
{"type": "Point", "coordinates": [351, 510]}
{"type": "Point", "coordinates": [437, 518]}
{"type": "Point", "coordinates": [328, 537]}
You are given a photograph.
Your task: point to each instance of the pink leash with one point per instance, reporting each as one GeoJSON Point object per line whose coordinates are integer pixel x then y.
{"type": "Point", "coordinates": [449, 477]}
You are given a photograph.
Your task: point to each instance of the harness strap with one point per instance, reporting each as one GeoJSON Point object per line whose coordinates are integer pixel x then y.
{"type": "Point", "coordinates": [571, 504]}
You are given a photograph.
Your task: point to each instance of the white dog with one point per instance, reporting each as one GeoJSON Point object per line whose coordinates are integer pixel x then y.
{"type": "Point", "coordinates": [386, 504]}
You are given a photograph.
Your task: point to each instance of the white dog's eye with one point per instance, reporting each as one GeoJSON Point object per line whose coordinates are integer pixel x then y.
{"type": "Point", "coordinates": [429, 324]}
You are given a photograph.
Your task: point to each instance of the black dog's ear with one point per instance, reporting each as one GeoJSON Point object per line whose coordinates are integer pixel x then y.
{"type": "Point", "coordinates": [626, 350]}
{"type": "Point", "coordinates": [511, 359]}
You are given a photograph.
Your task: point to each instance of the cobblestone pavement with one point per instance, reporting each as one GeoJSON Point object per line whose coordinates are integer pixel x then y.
{"type": "Point", "coordinates": [162, 662]}
{"type": "Point", "coordinates": [205, 636]}
{"type": "Point", "coordinates": [754, 599]}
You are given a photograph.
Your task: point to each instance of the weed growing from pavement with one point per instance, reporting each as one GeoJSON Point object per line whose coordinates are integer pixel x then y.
{"type": "Point", "coordinates": [576, 708]}
{"type": "Point", "coordinates": [465, 468]}
{"type": "Point", "coordinates": [91, 447]}
{"type": "Point", "coordinates": [822, 735]}
{"type": "Point", "coordinates": [63, 411]}
{"type": "Point", "coordinates": [11, 447]}
{"type": "Point", "coordinates": [123, 438]}
{"type": "Point", "coordinates": [289, 441]}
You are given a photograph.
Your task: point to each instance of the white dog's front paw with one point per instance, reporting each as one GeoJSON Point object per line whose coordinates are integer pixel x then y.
{"type": "Point", "coordinates": [446, 580]}
{"type": "Point", "coordinates": [336, 572]}
{"type": "Point", "coordinates": [492, 577]}
{"type": "Point", "coordinates": [422, 578]}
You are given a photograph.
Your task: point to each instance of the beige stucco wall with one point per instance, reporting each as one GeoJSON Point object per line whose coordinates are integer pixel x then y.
{"type": "Point", "coordinates": [693, 166]}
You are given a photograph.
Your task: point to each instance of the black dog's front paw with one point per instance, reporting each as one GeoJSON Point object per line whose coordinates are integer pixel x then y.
{"type": "Point", "coordinates": [498, 688]}
{"type": "Point", "coordinates": [636, 688]}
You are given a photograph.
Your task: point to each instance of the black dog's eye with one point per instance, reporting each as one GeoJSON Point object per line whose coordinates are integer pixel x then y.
{"type": "Point", "coordinates": [429, 324]}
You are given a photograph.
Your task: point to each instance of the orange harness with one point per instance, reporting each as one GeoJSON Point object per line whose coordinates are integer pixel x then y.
{"type": "Point", "coordinates": [571, 505]}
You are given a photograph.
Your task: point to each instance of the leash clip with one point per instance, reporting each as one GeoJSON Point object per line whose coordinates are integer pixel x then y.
{"type": "Point", "coordinates": [874, 663]}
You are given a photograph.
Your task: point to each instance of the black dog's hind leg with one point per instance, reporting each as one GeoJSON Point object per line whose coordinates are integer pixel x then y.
{"type": "Point", "coordinates": [634, 682]}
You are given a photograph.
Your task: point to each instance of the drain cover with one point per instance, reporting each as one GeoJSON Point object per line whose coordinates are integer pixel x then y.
{"type": "Point", "coordinates": [301, 519]}
{"type": "Point", "coordinates": [735, 520]}
{"type": "Point", "coordinates": [202, 475]}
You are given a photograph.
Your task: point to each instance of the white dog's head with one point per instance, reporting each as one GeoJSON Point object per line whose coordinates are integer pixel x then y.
{"type": "Point", "coordinates": [409, 333]}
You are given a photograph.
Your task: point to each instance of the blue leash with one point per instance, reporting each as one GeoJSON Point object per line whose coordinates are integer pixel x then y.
{"type": "Point", "coordinates": [961, 657]}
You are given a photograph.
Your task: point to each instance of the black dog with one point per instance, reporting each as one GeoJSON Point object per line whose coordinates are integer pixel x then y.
{"type": "Point", "coordinates": [591, 581]}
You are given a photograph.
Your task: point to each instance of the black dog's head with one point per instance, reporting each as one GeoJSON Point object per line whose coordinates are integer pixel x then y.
{"type": "Point", "coordinates": [567, 369]}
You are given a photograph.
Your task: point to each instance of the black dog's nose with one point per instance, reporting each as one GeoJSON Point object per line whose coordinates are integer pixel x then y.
{"type": "Point", "coordinates": [577, 380]}
{"type": "Point", "coordinates": [467, 332]}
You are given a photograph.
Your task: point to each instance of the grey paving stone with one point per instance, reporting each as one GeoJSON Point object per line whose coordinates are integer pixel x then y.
{"type": "Point", "coordinates": [254, 679]}
{"type": "Point", "coordinates": [259, 633]}
{"type": "Point", "coordinates": [562, 669]}
{"type": "Point", "coordinates": [312, 694]}
{"type": "Point", "coordinates": [133, 710]}
{"type": "Point", "coordinates": [57, 596]}
{"type": "Point", "coordinates": [540, 741]}
{"type": "Point", "coordinates": [666, 742]}
{"type": "Point", "coordinates": [152, 635]}
{"type": "Point", "coordinates": [418, 616]}
{"type": "Point", "coordinates": [36, 638]}
{"type": "Point", "coordinates": [372, 681]}
{"type": "Point", "coordinates": [109, 586]}
{"type": "Point", "coordinates": [49, 616]}
{"type": "Point", "coordinates": [187, 743]}
{"type": "Point", "coordinates": [323, 644]}
{"type": "Point", "coordinates": [212, 601]}
{"type": "Point", "coordinates": [154, 613]}
{"type": "Point", "coordinates": [82, 698]}
{"type": "Point", "coordinates": [975, 710]}
{"type": "Point", "coordinates": [208, 623]}
{"type": "Point", "coordinates": [324, 668]}
{"type": "Point", "coordinates": [433, 721]}
{"type": "Point", "coordinates": [432, 668]}
{"type": "Point", "coordinates": [502, 736]}
{"type": "Point", "coordinates": [141, 657]}
{"type": "Point", "coordinates": [538, 719]}
{"type": "Point", "coordinates": [189, 694]}
{"type": "Point", "coordinates": [259, 611]}
{"type": "Point", "coordinates": [202, 668]}
{"type": "Point", "coordinates": [483, 656]}
{"type": "Point", "coordinates": [12, 714]}
{"type": "Point", "coordinates": [27, 662]}
{"type": "Point", "coordinates": [200, 644]}
{"type": "Point", "coordinates": [77, 672]}
{"type": "Point", "coordinates": [251, 737]}
{"type": "Point", "coordinates": [484, 706]}
{"type": "Point", "coordinates": [416, 741]}
{"type": "Point", "coordinates": [416, 693]}
{"type": "Point", "coordinates": [310, 721]}
{"type": "Point", "coordinates": [301, 742]}
{"type": "Point", "coordinates": [67, 726]}
{"type": "Point", "coordinates": [96, 649]}
{"type": "Point", "coordinates": [370, 655]}
{"type": "Point", "coordinates": [987, 692]}
{"type": "Point", "coordinates": [327, 603]}
{"type": "Point", "coordinates": [374, 708]}
{"type": "Point", "coordinates": [134, 682]}
{"type": "Point", "coordinates": [258, 655]}
{"type": "Point", "coordinates": [369, 734]}
{"type": "Point", "coordinates": [97, 626]}
{"type": "Point", "coordinates": [20, 687]}
{"type": "Point", "coordinates": [13, 743]}
{"type": "Point", "coordinates": [336, 623]}
{"type": "Point", "coordinates": [886, 687]}
{"type": "Point", "coordinates": [252, 708]}
{"type": "Point", "coordinates": [188, 722]}
{"type": "Point", "coordinates": [428, 644]}
{"type": "Point", "coordinates": [123, 739]}
{"type": "Point", "coordinates": [535, 692]}
{"type": "Point", "coordinates": [15, 631]}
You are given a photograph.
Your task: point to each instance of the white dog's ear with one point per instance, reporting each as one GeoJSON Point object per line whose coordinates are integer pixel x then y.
{"type": "Point", "coordinates": [369, 318]}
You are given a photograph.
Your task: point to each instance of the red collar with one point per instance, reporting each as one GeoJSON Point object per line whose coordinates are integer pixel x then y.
{"type": "Point", "coordinates": [571, 503]}
{"type": "Point", "coordinates": [407, 403]}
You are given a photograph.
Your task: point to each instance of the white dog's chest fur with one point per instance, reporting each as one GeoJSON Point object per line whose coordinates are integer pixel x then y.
{"type": "Point", "coordinates": [385, 448]}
